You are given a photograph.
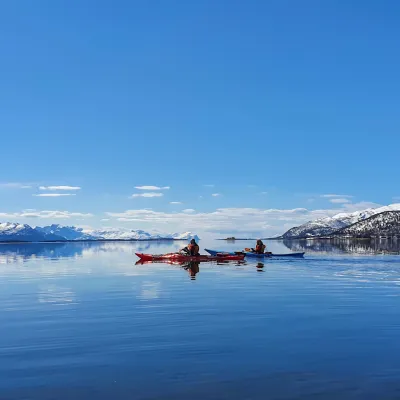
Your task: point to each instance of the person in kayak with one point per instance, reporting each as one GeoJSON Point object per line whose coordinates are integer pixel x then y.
{"type": "Point", "coordinates": [260, 247]}
{"type": "Point", "coordinates": [192, 248]}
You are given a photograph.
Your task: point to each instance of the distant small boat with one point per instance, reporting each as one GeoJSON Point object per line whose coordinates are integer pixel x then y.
{"type": "Point", "coordinates": [255, 255]}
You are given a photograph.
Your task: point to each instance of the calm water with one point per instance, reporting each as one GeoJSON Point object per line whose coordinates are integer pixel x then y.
{"type": "Point", "coordinates": [81, 321]}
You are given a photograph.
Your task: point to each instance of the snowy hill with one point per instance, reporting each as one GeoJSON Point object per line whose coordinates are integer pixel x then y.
{"type": "Point", "coordinates": [329, 225]}
{"type": "Point", "coordinates": [66, 232]}
{"type": "Point", "coordinates": [183, 236]}
{"type": "Point", "coordinates": [10, 232]}
{"type": "Point", "coordinates": [119, 234]}
{"type": "Point", "coordinates": [18, 232]}
{"type": "Point", "coordinates": [122, 234]}
{"type": "Point", "coordinates": [384, 224]}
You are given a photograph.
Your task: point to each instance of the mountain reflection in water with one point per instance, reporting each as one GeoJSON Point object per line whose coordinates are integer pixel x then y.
{"type": "Point", "coordinates": [345, 246]}
{"type": "Point", "coordinates": [12, 252]}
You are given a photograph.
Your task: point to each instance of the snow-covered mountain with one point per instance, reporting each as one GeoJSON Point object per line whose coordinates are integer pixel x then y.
{"type": "Point", "coordinates": [182, 236]}
{"type": "Point", "coordinates": [14, 232]}
{"type": "Point", "coordinates": [121, 234]}
{"type": "Point", "coordinates": [18, 232]}
{"type": "Point", "coordinates": [329, 225]}
{"type": "Point", "coordinates": [67, 232]}
{"type": "Point", "coordinates": [386, 223]}
{"type": "Point", "coordinates": [127, 234]}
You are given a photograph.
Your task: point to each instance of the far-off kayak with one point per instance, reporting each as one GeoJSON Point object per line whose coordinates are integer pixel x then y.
{"type": "Point", "coordinates": [255, 255]}
{"type": "Point", "coordinates": [183, 258]}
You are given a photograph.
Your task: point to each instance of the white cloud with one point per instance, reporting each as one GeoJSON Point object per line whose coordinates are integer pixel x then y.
{"type": "Point", "coordinates": [152, 187]}
{"type": "Point", "coordinates": [245, 219]}
{"type": "Point", "coordinates": [339, 200]}
{"type": "Point", "coordinates": [54, 194]}
{"type": "Point", "coordinates": [215, 195]}
{"type": "Point", "coordinates": [175, 202]}
{"type": "Point", "coordinates": [210, 186]}
{"type": "Point", "coordinates": [59, 188]}
{"type": "Point", "coordinates": [105, 219]}
{"type": "Point", "coordinates": [263, 221]}
{"type": "Point", "coordinates": [264, 193]}
{"type": "Point", "coordinates": [330, 196]}
{"type": "Point", "coordinates": [14, 185]}
{"type": "Point", "coordinates": [188, 211]}
{"type": "Point", "coordinates": [31, 213]}
{"type": "Point", "coordinates": [148, 194]}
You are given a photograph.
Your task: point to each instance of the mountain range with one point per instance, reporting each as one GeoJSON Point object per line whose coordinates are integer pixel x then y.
{"type": "Point", "coordinates": [362, 223]}
{"type": "Point", "coordinates": [382, 221]}
{"type": "Point", "coordinates": [14, 232]}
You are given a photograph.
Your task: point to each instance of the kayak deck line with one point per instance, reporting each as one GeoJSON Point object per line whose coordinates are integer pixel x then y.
{"type": "Point", "coordinates": [255, 255]}
{"type": "Point", "coordinates": [181, 257]}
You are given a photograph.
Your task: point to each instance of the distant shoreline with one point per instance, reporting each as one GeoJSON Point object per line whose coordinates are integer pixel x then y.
{"type": "Point", "coordinates": [234, 240]}
{"type": "Point", "coordinates": [91, 241]}
{"type": "Point", "coordinates": [338, 238]}
{"type": "Point", "coordinates": [324, 238]}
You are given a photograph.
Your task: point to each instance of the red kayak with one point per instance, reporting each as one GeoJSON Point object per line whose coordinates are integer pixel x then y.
{"type": "Point", "coordinates": [182, 258]}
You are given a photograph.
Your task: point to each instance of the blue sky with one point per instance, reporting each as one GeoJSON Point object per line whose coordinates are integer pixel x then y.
{"type": "Point", "coordinates": [276, 104]}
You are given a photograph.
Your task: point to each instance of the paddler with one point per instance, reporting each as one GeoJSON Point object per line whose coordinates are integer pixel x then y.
{"type": "Point", "coordinates": [260, 247]}
{"type": "Point", "coordinates": [192, 248]}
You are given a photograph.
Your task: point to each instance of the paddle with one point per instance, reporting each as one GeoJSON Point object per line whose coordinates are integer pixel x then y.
{"type": "Point", "coordinates": [252, 251]}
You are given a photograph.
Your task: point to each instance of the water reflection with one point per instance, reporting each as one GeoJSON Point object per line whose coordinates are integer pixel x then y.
{"type": "Point", "coordinates": [25, 251]}
{"type": "Point", "coordinates": [193, 267]}
{"type": "Point", "coordinates": [21, 252]}
{"type": "Point", "coordinates": [56, 295]}
{"type": "Point", "coordinates": [345, 246]}
{"type": "Point", "coordinates": [89, 323]}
